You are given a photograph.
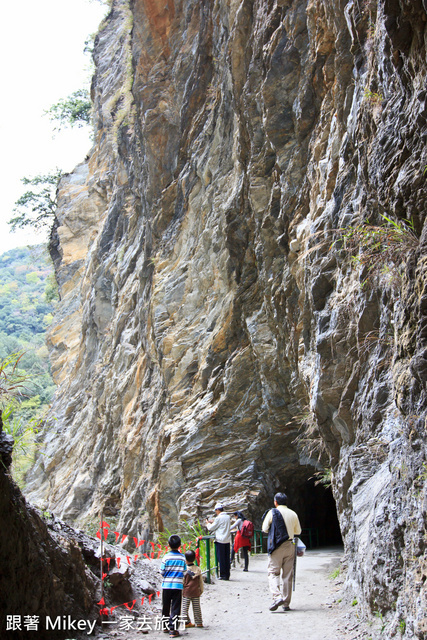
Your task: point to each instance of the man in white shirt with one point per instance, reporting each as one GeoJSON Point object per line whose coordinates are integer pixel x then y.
{"type": "Point", "coordinates": [221, 527]}
{"type": "Point", "coordinates": [281, 559]}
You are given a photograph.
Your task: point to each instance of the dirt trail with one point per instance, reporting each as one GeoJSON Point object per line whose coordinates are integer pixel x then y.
{"type": "Point", "coordinates": [240, 608]}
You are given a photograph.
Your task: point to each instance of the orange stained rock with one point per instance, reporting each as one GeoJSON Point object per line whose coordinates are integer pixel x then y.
{"type": "Point", "coordinates": [220, 341]}
{"type": "Point", "coordinates": [160, 15]}
{"type": "Point", "coordinates": [154, 500]}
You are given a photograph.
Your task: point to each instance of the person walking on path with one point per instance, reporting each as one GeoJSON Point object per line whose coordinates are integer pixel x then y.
{"type": "Point", "coordinates": [193, 589]}
{"type": "Point", "coordinates": [172, 569]}
{"type": "Point", "coordinates": [240, 542]}
{"type": "Point", "coordinates": [282, 525]}
{"type": "Point", "coordinates": [221, 527]}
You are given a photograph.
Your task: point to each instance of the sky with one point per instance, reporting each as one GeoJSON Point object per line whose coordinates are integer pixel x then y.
{"type": "Point", "coordinates": [42, 60]}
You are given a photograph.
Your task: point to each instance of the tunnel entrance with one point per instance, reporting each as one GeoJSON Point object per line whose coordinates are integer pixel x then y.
{"type": "Point", "coordinates": [319, 514]}
{"type": "Point", "coordinates": [316, 509]}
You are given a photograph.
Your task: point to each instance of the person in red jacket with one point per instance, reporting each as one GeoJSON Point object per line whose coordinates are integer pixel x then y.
{"type": "Point", "coordinates": [240, 542]}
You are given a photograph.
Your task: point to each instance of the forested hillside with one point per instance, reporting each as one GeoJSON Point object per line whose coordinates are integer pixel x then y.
{"type": "Point", "coordinates": [27, 299]}
{"type": "Point", "coordinates": [26, 292]}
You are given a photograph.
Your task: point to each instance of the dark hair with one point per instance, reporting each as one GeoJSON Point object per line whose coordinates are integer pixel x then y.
{"type": "Point", "coordinates": [239, 514]}
{"type": "Point", "coordinates": [281, 498]}
{"type": "Point", "coordinates": [174, 542]}
{"type": "Point", "coordinates": [190, 556]}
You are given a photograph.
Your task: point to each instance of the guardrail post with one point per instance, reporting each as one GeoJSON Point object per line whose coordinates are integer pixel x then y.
{"type": "Point", "coordinates": [208, 560]}
{"type": "Point", "coordinates": [233, 564]}
{"type": "Point", "coordinates": [209, 568]}
{"type": "Point", "coordinates": [258, 541]}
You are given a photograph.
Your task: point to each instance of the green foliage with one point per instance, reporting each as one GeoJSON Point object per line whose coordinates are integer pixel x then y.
{"type": "Point", "coordinates": [402, 627]}
{"type": "Point", "coordinates": [24, 433]}
{"type": "Point", "coordinates": [324, 477]}
{"type": "Point", "coordinates": [11, 379]}
{"type": "Point", "coordinates": [34, 364]}
{"type": "Point", "coordinates": [75, 110]}
{"type": "Point", "coordinates": [51, 289]}
{"type": "Point", "coordinates": [36, 207]}
{"type": "Point", "coordinates": [373, 97]}
{"type": "Point", "coordinates": [91, 527]}
{"type": "Point", "coordinates": [27, 297]}
{"type": "Point", "coordinates": [189, 533]}
{"type": "Point", "coordinates": [32, 278]}
{"type": "Point", "coordinates": [354, 602]}
{"type": "Point", "coordinates": [380, 249]}
{"type": "Point", "coordinates": [24, 313]}
{"type": "Point", "coordinates": [379, 615]}
{"type": "Point", "coordinates": [335, 574]}
{"type": "Point", "coordinates": [13, 392]}
{"type": "Point", "coordinates": [423, 475]}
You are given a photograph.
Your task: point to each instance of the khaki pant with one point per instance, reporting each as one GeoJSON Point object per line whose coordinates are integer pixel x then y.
{"type": "Point", "coordinates": [281, 565]}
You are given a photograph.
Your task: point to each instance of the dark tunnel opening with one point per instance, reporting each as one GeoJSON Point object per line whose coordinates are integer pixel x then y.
{"type": "Point", "coordinates": [319, 514]}
{"type": "Point", "coordinates": [316, 508]}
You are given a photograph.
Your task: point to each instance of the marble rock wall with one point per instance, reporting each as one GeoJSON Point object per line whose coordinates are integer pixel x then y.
{"type": "Point", "coordinates": [217, 336]}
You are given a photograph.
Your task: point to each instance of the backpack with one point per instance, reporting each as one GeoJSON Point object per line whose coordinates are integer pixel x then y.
{"type": "Point", "coordinates": [278, 532]}
{"type": "Point", "coordinates": [247, 529]}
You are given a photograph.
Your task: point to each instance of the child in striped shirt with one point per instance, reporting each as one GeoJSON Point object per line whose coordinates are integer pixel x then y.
{"type": "Point", "coordinates": [172, 569]}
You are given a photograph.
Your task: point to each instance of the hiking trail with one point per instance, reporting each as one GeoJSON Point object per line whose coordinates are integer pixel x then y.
{"type": "Point", "coordinates": [239, 608]}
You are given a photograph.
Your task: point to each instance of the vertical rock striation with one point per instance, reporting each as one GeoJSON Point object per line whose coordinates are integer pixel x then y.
{"type": "Point", "coordinates": [214, 338]}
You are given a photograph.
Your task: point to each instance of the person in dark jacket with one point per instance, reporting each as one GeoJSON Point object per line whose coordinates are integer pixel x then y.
{"type": "Point", "coordinates": [281, 551]}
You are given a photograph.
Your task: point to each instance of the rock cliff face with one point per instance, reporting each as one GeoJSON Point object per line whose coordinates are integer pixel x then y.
{"type": "Point", "coordinates": [41, 573]}
{"type": "Point", "coordinates": [217, 338]}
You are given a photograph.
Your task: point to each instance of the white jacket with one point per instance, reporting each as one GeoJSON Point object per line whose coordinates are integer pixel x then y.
{"type": "Point", "coordinates": [221, 527]}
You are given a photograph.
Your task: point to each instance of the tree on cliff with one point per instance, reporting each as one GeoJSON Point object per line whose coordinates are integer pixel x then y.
{"type": "Point", "coordinates": [36, 207]}
{"type": "Point", "coordinates": [75, 110]}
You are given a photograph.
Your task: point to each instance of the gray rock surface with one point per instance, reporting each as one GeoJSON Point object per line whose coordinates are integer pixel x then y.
{"type": "Point", "coordinates": [48, 568]}
{"type": "Point", "coordinates": [215, 338]}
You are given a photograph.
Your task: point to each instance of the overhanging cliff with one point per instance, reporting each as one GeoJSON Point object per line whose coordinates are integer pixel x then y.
{"type": "Point", "coordinates": [215, 340]}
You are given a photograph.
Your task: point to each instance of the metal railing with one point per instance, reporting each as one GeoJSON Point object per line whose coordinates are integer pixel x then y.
{"type": "Point", "coordinates": [207, 541]}
{"type": "Point", "coordinates": [259, 542]}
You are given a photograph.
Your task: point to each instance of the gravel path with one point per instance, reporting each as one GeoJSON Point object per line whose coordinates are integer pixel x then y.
{"type": "Point", "coordinates": [239, 609]}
